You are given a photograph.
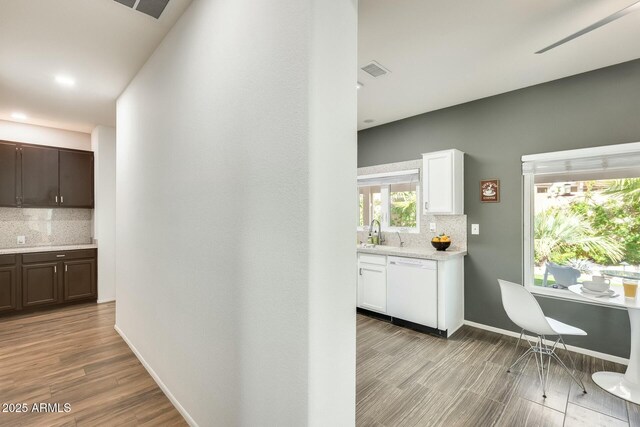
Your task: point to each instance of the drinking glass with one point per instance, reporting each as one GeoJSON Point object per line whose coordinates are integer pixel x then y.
{"type": "Point", "coordinates": [630, 288]}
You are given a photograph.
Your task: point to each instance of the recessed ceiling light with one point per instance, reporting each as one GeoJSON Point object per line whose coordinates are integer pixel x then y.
{"type": "Point", "coordinates": [63, 80]}
{"type": "Point", "coordinates": [369, 121]}
{"type": "Point", "coordinates": [19, 116]}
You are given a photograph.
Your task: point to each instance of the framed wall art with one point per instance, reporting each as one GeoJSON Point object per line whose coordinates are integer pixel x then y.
{"type": "Point", "coordinates": [490, 191]}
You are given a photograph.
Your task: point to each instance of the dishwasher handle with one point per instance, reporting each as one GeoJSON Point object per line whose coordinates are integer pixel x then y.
{"type": "Point", "coordinates": [425, 264]}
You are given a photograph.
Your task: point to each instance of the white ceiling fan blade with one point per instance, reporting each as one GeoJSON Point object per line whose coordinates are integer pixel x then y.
{"type": "Point", "coordinates": [619, 14]}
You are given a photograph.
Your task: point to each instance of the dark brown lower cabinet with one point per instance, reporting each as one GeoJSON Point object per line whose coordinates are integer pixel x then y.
{"type": "Point", "coordinates": [79, 279]}
{"type": "Point", "coordinates": [8, 288]}
{"type": "Point", "coordinates": [39, 284]}
{"type": "Point", "coordinates": [42, 279]}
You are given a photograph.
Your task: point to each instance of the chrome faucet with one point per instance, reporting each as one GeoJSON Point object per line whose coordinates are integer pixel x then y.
{"type": "Point", "coordinates": [400, 238]}
{"type": "Point", "coordinates": [380, 236]}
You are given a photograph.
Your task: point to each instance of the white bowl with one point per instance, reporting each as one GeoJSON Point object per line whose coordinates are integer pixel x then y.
{"type": "Point", "coordinates": [596, 286]}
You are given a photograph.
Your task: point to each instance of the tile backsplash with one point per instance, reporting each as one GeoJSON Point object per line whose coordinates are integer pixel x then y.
{"type": "Point", "coordinates": [453, 225]}
{"type": "Point", "coordinates": [43, 227]}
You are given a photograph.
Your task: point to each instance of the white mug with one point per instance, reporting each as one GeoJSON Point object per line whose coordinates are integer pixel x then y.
{"type": "Point", "coordinates": [600, 279]}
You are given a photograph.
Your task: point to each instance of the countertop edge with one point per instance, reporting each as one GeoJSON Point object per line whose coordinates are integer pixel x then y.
{"type": "Point", "coordinates": [433, 255]}
{"type": "Point", "coordinates": [36, 249]}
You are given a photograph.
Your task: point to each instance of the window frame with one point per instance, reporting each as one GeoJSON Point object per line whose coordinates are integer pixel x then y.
{"type": "Point", "coordinates": [528, 213]}
{"type": "Point", "coordinates": [386, 203]}
{"type": "Point", "coordinates": [528, 276]}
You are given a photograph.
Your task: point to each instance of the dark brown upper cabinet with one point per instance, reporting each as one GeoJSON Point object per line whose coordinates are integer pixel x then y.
{"type": "Point", "coordinates": [39, 174]}
{"type": "Point", "coordinates": [42, 177]}
{"type": "Point", "coordinates": [8, 174]}
{"type": "Point", "coordinates": [76, 179]}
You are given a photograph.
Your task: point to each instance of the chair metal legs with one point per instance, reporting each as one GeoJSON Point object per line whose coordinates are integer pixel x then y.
{"type": "Point", "coordinates": [515, 351]}
{"type": "Point", "coordinates": [577, 380]}
{"type": "Point", "coordinates": [539, 349]}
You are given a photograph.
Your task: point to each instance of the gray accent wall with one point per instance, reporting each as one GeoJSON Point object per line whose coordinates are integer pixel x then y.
{"type": "Point", "coordinates": [597, 108]}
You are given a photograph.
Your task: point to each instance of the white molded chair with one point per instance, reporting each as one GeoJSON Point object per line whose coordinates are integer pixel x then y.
{"type": "Point", "coordinates": [523, 309]}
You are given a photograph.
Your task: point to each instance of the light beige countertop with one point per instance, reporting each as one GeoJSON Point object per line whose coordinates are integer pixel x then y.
{"type": "Point", "coordinates": [32, 249]}
{"type": "Point", "coordinates": [421, 253]}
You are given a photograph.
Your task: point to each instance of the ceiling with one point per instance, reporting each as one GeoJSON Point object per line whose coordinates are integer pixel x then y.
{"type": "Point", "coordinates": [100, 43]}
{"type": "Point", "coordinates": [440, 53]}
{"type": "Point", "coordinates": [443, 53]}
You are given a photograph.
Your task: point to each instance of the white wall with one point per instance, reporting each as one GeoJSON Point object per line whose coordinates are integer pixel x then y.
{"type": "Point", "coordinates": [103, 143]}
{"type": "Point", "coordinates": [236, 167]}
{"type": "Point", "coordinates": [32, 134]}
{"type": "Point", "coordinates": [332, 170]}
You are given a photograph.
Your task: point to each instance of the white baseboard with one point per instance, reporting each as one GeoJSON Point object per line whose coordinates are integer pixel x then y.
{"type": "Point", "coordinates": [102, 301]}
{"type": "Point", "coordinates": [580, 350]}
{"type": "Point", "coordinates": [157, 379]}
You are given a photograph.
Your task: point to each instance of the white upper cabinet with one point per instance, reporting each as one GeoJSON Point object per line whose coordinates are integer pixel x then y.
{"type": "Point", "coordinates": [443, 182]}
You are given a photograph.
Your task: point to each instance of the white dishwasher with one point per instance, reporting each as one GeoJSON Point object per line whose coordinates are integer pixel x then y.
{"type": "Point", "coordinates": [412, 290]}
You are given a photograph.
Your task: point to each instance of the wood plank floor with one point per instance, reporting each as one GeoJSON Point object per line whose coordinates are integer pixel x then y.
{"type": "Point", "coordinates": [73, 355]}
{"type": "Point", "coordinates": [406, 378]}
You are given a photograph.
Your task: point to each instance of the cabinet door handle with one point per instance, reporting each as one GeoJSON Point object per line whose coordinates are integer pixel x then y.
{"type": "Point", "coordinates": [55, 268]}
{"type": "Point", "coordinates": [360, 272]}
{"type": "Point", "coordinates": [66, 267]}
{"type": "Point", "coordinates": [61, 199]}
{"type": "Point", "coordinates": [56, 199]}
{"type": "Point", "coordinates": [60, 256]}
{"type": "Point", "coordinates": [426, 205]}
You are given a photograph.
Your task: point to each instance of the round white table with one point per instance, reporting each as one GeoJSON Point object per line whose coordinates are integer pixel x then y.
{"type": "Point", "coordinates": [627, 385]}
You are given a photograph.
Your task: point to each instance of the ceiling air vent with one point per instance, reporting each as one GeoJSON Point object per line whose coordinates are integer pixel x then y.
{"type": "Point", "coordinates": [128, 3]}
{"type": "Point", "coordinates": [374, 69]}
{"type": "Point", "coordinates": [152, 8]}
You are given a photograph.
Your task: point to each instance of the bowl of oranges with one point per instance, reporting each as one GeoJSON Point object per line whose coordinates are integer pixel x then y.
{"type": "Point", "coordinates": [441, 242]}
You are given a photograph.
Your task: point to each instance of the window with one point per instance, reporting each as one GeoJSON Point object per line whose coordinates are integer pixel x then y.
{"type": "Point", "coordinates": [370, 204]}
{"type": "Point", "coordinates": [391, 198]}
{"type": "Point", "coordinates": [402, 205]}
{"type": "Point", "coordinates": [581, 215]}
